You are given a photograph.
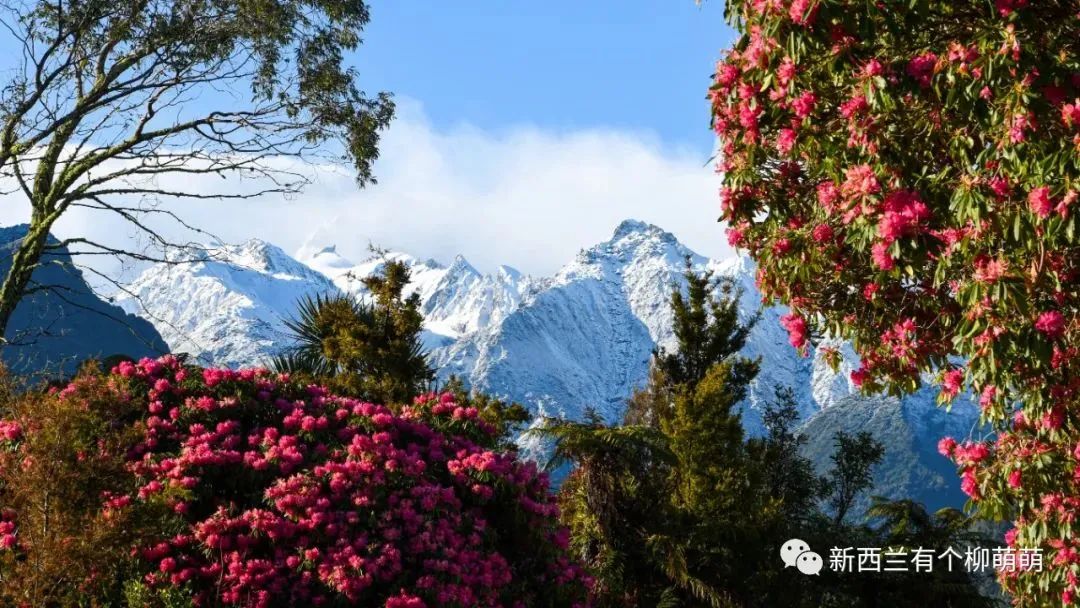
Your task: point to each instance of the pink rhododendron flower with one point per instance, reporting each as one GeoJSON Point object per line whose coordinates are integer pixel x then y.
{"type": "Point", "coordinates": [1053, 419]}
{"type": "Point", "coordinates": [785, 140]}
{"type": "Point", "coordinates": [904, 215]}
{"type": "Point", "coordinates": [946, 446]}
{"type": "Point", "coordinates": [986, 398]}
{"type": "Point", "coordinates": [969, 485]}
{"type": "Point", "coordinates": [1019, 126]}
{"type": "Point", "coordinates": [1006, 7]}
{"type": "Point", "coordinates": [1039, 201]}
{"type": "Point", "coordinates": [828, 194]}
{"type": "Point", "coordinates": [854, 106]}
{"type": "Point", "coordinates": [800, 13]}
{"type": "Point", "coordinates": [1070, 114]}
{"type": "Point", "coordinates": [921, 68]}
{"type": "Point", "coordinates": [882, 258]}
{"type": "Point", "coordinates": [1015, 479]}
{"type": "Point", "coordinates": [329, 500]}
{"type": "Point", "coordinates": [10, 430]}
{"type": "Point", "coordinates": [970, 453]}
{"type": "Point", "coordinates": [803, 105]}
{"type": "Point", "coordinates": [1051, 323]}
{"type": "Point", "coordinates": [822, 233]}
{"type": "Point", "coordinates": [860, 182]}
{"type": "Point", "coordinates": [952, 383]}
{"type": "Point", "coordinates": [736, 236]}
{"type": "Point", "coordinates": [859, 376]}
{"type": "Point", "coordinates": [989, 270]}
{"type": "Point", "coordinates": [796, 328]}
{"type": "Point", "coordinates": [873, 68]}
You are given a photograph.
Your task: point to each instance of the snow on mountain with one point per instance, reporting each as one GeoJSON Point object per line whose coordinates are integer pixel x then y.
{"type": "Point", "coordinates": [225, 304]}
{"type": "Point", "coordinates": [582, 338]}
{"type": "Point", "coordinates": [456, 299]}
{"type": "Point", "coordinates": [909, 428]}
{"type": "Point", "coordinates": [586, 337]}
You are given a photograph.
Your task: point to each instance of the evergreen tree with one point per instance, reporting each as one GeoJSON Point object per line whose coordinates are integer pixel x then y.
{"type": "Point", "coordinates": [853, 463]}
{"type": "Point", "coordinates": [655, 506]}
{"type": "Point", "coordinates": [707, 328]}
{"type": "Point", "coordinates": [614, 502]}
{"type": "Point", "coordinates": [677, 508]}
{"type": "Point", "coordinates": [370, 350]}
{"type": "Point", "coordinates": [789, 478]}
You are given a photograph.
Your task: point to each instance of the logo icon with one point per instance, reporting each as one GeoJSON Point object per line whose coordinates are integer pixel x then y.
{"type": "Point", "coordinates": [810, 563]}
{"type": "Point", "coordinates": [796, 553]}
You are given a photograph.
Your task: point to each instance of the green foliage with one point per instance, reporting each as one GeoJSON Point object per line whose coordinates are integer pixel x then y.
{"type": "Point", "coordinates": [368, 350]}
{"type": "Point", "coordinates": [677, 508]}
{"type": "Point", "coordinates": [95, 111]}
{"type": "Point", "coordinates": [70, 459]}
{"type": "Point", "coordinates": [708, 329]}
{"type": "Point", "coordinates": [788, 477]}
{"type": "Point", "coordinates": [853, 463]}
{"type": "Point", "coordinates": [906, 176]}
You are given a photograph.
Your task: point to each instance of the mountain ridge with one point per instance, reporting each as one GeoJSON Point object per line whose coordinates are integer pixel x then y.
{"type": "Point", "coordinates": [581, 338]}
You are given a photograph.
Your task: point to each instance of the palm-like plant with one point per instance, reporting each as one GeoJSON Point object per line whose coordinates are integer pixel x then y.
{"type": "Point", "coordinates": [908, 524]}
{"type": "Point", "coordinates": [370, 350]}
{"type": "Point", "coordinates": [311, 330]}
{"type": "Point", "coordinates": [613, 501]}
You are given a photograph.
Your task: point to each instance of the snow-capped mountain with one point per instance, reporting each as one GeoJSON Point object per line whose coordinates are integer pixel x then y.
{"type": "Point", "coordinates": [586, 337]}
{"type": "Point", "coordinates": [457, 300]}
{"type": "Point", "coordinates": [580, 339]}
{"type": "Point", "coordinates": [225, 304]}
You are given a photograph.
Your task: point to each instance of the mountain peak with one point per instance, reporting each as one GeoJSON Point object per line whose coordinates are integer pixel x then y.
{"type": "Point", "coordinates": [461, 266]}
{"type": "Point", "coordinates": [633, 241]}
{"type": "Point", "coordinates": [632, 227]}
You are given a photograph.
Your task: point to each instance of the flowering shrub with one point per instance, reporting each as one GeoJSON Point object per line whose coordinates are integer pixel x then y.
{"type": "Point", "coordinates": [284, 495]}
{"type": "Point", "coordinates": [217, 487]}
{"type": "Point", "coordinates": [906, 175]}
{"type": "Point", "coordinates": [57, 458]}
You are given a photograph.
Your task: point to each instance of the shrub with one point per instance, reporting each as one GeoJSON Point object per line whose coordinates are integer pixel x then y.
{"type": "Point", "coordinates": [61, 459]}
{"type": "Point", "coordinates": [270, 493]}
{"type": "Point", "coordinates": [906, 176]}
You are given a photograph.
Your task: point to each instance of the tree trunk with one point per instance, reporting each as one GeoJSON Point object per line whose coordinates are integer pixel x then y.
{"type": "Point", "coordinates": [25, 259]}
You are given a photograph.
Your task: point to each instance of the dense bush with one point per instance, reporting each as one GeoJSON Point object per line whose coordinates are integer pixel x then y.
{"type": "Point", "coordinates": [59, 459]}
{"type": "Point", "coordinates": [906, 176]}
{"type": "Point", "coordinates": [263, 492]}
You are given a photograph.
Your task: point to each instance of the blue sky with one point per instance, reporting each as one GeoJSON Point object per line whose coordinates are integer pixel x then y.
{"type": "Point", "coordinates": [640, 65]}
{"type": "Point", "coordinates": [526, 131]}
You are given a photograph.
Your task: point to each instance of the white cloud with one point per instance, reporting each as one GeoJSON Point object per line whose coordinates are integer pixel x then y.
{"type": "Point", "coordinates": [525, 197]}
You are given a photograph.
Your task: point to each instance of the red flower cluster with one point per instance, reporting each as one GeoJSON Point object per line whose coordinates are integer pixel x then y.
{"type": "Point", "coordinates": [8, 531]}
{"type": "Point", "coordinates": [283, 494]}
{"type": "Point", "coordinates": [912, 190]}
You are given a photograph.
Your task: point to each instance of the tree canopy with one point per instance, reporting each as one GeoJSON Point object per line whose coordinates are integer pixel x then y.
{"type": "Point", "coordinates": [906, 175]}
{"type": "Point", "coordinates": [115, 106]}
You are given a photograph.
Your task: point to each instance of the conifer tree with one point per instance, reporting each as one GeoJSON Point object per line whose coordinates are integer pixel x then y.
{"type": "Point", "coordinates": [676, 507]}
{"type": "Point", "coordinates": [853, 463]}
{"type": "Point", "coordinates": [655, 504]}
